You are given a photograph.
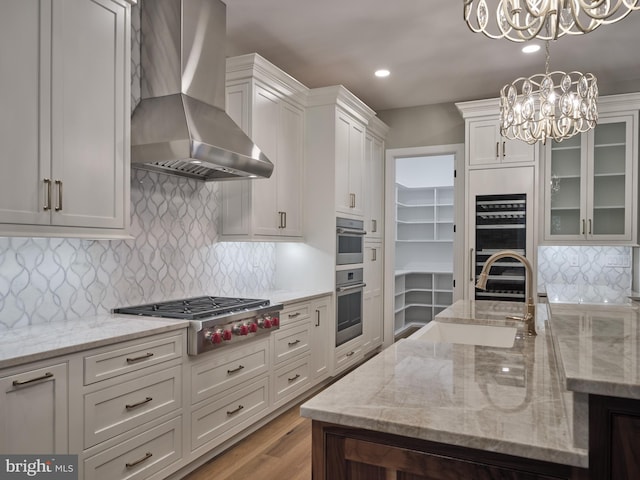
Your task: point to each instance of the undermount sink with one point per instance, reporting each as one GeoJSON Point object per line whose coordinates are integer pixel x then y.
{"type": "Point", "coordinates": [468, 334]}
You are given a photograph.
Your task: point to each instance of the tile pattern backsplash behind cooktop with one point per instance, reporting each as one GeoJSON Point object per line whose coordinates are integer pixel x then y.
{"type": "Point", "coordinates": [174, 254]}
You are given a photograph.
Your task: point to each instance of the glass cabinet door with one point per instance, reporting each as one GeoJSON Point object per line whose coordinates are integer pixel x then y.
{"type": "Point", "coordinates": [588, 183]}
{"type": "Point", "coordinates": [610, 180]}
{"type": "Point", "coordinates": [566, 189]}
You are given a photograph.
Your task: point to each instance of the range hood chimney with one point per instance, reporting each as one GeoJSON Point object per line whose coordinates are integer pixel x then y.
{"type": "Point", "coordinates": [180, 126]}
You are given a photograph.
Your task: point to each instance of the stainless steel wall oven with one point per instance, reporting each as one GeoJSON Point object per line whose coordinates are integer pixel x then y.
{"type": "Point", "coordinates": [349, 241]}
{"type": "Point", "coordinates": [349, 294]}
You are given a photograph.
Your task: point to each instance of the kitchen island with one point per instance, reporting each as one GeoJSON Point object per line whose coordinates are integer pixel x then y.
{"type": "Point", "coordinates": [445, 410]}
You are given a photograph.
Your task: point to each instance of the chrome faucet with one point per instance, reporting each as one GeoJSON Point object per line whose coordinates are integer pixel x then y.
{"type": "Point", "coordinates": [530, 309]}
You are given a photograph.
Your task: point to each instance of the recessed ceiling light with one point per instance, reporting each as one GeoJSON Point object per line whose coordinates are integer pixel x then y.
{"type": "Point", "coordinates": [534, 47]}
{"type": "Point", "coordinates": [383, 72]}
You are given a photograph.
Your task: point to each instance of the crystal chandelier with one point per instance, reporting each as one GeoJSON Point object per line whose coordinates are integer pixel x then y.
{"type": "Point", "coordinates": [557, 105]}
{"type": "Point", "coordinates": [522, 20]}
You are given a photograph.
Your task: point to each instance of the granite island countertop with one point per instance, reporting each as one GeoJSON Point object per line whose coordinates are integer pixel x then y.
{"type": "Point", "coordinates": [505, 400]}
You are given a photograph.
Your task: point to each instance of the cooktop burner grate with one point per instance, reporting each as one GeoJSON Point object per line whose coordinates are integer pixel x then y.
{"type": "Point", "coordinates": [195, 308]}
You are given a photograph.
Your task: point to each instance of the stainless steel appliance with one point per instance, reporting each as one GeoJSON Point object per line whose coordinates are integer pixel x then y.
{"type": "Point", "coordinates": [501, 225]}
{"type": "Point", "coordinates": [215, 321]}
{"type": "Point", "coordinates": [349, 293]}
{"type": "Point", "coordinates": [180, 127]}
{"type": "Point", "coordinates": [349, 241]}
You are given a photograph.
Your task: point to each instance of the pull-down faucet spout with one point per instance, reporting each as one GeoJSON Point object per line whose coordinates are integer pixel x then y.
{"type": "Point", "coordinates": [530, 309]}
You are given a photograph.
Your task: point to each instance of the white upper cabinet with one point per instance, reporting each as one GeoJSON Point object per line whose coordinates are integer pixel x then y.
{"type": "Point", "coordinates": [336, 128]}
{"type": "Point", "coordinates": [268, 105]}
{"type": "Point", "coordinates": [374, 185]}
{"type": "Point", "coordinates": [64, 126]}
{"type": "Point", "coordinates": [485, 147]}
{"type": "Point", "coordinates": [591, 183]}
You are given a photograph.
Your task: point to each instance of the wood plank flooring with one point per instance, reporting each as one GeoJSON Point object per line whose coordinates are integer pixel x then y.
{"type": "Point", "coordinates": [279, 450]}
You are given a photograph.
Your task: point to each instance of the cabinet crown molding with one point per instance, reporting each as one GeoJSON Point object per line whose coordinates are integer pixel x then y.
{"type": "Point", "coordinates": [339, 95]}
{"type": "Point", "coordinates": [252, 66]}
{"type": "Point", "coordinates": [377, 127]}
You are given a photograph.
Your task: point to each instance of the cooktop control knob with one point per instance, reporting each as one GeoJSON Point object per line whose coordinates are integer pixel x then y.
{"type": "Point", "coordinates": [240, 329]}
{"type": "Point", "coordinates": [265, 322]}
{"type": "Point", "coordinates": [215, 337]}
{"type": "Point", "coordinates": [275, 321]}
{"type": "Point", "coordinates": [253, 327]}
{"type": "Point", "coordinates": [226, 335]}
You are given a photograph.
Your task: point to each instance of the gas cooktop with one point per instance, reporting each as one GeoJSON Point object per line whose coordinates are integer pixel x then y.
{"type": "Point", "coordinates": [196, 308]}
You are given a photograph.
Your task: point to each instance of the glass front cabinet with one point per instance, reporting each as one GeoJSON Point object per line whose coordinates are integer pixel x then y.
{"type": "Point", "coordinates": [591, 184]}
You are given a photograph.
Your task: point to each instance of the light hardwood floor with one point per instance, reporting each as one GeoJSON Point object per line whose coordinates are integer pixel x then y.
{"type": "Point", "coordinates": [279, 450]}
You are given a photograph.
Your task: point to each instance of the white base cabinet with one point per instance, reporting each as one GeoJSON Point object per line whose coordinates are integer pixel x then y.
{"type": "Point", "coordinates": [33, 409]}
{"type": "Point", "coordinates": [64, 127]}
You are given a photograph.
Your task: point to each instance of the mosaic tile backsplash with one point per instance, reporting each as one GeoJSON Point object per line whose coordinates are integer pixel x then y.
{"type": "Point", "coordinates": [585, 265]}
{"type": "Point", "coordinates": [174, 252]}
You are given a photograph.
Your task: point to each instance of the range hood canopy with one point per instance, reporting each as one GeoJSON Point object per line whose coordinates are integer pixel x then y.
{"type": "Point", "coordinates": [180, 126]}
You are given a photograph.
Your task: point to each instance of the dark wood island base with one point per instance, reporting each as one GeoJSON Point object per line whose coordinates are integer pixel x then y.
{"type": "Point", "coordinates": [341, 453]}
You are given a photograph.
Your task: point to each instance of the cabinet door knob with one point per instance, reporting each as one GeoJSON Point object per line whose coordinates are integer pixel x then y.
{"type": "Point", "coordinates": [317, 318]}
{"type": "Point", "coordinates": [497, 149]}
{"type": "Point", "coordinates": [583, 226]}
{"type": "Point", "coordinates": [504, 149]}
{"type": "Point", "coordinates": [589, 226]}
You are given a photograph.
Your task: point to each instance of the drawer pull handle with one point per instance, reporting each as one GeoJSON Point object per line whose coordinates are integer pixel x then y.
{"type": "Point", "coordinates": [350, 353]}
{"type": "Point", "coordinates": [19, 383]}
{"type": "Point", "coordinates": [318, 318]}
{"type": "Point", "coordinates": [232, 412]}
{"type": "Point", "coordinates": [294, 315]}
{"type": "Point", "coordinates": [295, 342]}
{"type": "Point", "coordinates": [142, 402]}
{"type": "Point", "coordinates": [141, 357]}
{"type": "Point", "coordinates": [146, 457]}
{"type": "Point", "coordinates": [294, 378]}
{"type": "Point", "coordinates": [234, 370]}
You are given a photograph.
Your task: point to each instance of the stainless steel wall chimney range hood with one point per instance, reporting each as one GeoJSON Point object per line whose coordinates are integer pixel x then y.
{"type": "Point", "coordinates": [180, 126]}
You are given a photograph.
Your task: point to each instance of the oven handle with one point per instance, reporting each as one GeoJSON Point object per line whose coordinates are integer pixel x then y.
{"type": "Point", "coordinates": [348, 231]}
{"type": "Point", "coordinates": [350, 287]}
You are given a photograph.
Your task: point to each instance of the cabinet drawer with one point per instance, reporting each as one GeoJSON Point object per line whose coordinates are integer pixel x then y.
{"type": "Point", "coordinates": [346, 357]}
{"type": "Point", "coordinates": [219, 419]}
{"type": "Point", "coordinates": [290, 342]}
{"type": "Point", "coordinates": [290, 379]}
{"type": "Point", "coordinates": [139, 457]}
{"type": "Point", "coordinates": [221, 371]}
{"type": "Point", "coordinates": [131, 357]}
{"type": "Point", "coordinates": [294, 313]}
{"type": "Point", "coordinates": [116, 409]}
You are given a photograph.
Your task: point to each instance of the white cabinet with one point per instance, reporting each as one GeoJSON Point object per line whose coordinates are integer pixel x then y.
{"type": "Point", "coordinates": [484, 146]}
{"type": "Point", "coordinates": [128, 407]}
{"type": "Point", "coordinates": [64, 126]}
{"type": "Point", "coordinates": [591, 184]}
{"type": "Point", "coordinates": [374, 173]}
{"type": "Point", "coordinates": [336, 130]}
{"type": "Point", "coordinates": [350, 134]}
{"type": "Point", "coordinates": [372, 298]}
{"type": "Point", "coordinates": [33, 409]}
{"type": "Point", "coordinates": [322, 318]}
{"type": "Point", "coordinates": [266, 104]}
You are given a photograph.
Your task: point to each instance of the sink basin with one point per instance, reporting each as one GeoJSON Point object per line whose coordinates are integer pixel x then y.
{"type": "Point", "coordinates": [468, 334]}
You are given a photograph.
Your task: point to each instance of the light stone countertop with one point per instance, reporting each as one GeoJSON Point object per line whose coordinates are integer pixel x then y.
{"type": "Point", "coordinates": [462, 395]}
{"type": "Point", "coordinates": [598, 348]}
{"type": "Point", "coordinates": [42, 341]}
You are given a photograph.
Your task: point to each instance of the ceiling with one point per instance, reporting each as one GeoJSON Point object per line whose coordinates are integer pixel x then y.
{"type": "Point", "coordinates": [433, 56]}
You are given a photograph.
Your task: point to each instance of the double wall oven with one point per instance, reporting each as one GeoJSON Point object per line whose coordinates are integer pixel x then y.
{"type": "Point", "coordinates": [349, 279]}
